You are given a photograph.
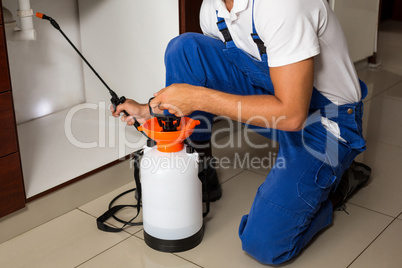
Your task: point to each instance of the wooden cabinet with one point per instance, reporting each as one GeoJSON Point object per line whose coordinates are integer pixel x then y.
{"type": "Point", "coordinates": [8, 137]}
{"type": "Point", "coordinates": [4, 75]}
{"type": "Point", "coordinates": [12, 193]}
{"type": "Point", "coordinates": [189, 11]}
{"type": "Point", "coordinates": [397, 10]}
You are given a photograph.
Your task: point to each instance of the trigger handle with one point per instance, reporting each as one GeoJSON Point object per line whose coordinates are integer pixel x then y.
{"type": "Point", "coordinates": [115, 100]}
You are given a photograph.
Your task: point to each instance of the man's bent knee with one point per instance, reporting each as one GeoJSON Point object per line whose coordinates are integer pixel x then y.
{"type": "Point", "coordinates": [182, 43]}
{"type": "Point", "coordinates": [269, 233]}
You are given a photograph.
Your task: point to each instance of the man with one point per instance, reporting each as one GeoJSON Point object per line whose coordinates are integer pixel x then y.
{"type": "Point", "coordinates": [283, 68]}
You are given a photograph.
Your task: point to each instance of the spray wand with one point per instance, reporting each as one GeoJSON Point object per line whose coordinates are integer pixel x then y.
{"type": "Point", "coordinates": [115, 100]}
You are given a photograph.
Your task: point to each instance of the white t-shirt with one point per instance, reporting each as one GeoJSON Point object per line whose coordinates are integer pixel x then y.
{"type": "Point", "coordinates": [292, 30]}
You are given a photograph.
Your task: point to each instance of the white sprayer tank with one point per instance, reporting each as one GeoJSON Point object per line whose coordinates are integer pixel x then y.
{"type": "Point", "coordinates": [171, 200]}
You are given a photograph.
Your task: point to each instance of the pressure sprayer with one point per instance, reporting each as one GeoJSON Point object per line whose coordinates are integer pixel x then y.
{"type": "Point", "coordinates": [170, 190]}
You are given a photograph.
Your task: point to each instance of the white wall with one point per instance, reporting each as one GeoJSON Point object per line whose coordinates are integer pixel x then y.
{"type": "Point", "coordinates": [359, 20]}
{"type": "Point", "coordinates": [125, 41]}
{"type": "Point", "coordinates": [46, 74]}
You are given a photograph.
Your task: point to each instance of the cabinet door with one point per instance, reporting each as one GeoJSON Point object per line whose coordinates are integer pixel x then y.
{"type": "Point", "coordinates": [12, 194]}
{"type": "Point", "coordinates": [4, 75]}
{"type": "Point", "coordinates": [397, 12]}
{"type": "Point", "coordinates": [8, 137]}
{"type": "Point", "coordinates": [1, 15]}
{"type": "Point", "coordinates": [190, 15]}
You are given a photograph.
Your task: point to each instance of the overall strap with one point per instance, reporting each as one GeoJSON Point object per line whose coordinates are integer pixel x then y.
{"type": "Point", "coordinates": [260, 44]}
{"type": "Point", "coordinates": [223, 28]}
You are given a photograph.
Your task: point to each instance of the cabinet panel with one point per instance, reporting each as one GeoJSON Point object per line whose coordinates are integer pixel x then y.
{"type": "Point", "coordinates": [12, 194]}
{"type": "Point", "coordinates": [397, 12]}
{"type": "Point", "coordinates": [4, 74]}
{"type": "Point", "coordinates": [8, 137]}
{"type": "Point", "coordinates": [189, 16]}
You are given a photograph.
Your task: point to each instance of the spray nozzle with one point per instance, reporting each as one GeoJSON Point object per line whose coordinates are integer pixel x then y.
{"type": "Point", "coordinates": [52, 21]}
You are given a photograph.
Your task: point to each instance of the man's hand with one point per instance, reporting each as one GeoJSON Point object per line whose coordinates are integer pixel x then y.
{"type": "Point", "coordinates": [135, 110]}
{"type": "Point", "coordinates": [178, 99]}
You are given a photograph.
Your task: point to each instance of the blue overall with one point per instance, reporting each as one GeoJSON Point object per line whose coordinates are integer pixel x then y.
{"type": "Point", "coordinates": [292, 205]}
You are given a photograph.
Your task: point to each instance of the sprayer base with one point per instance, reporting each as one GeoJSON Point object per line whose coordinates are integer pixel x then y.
{"type": "Point", "coordinates": [174, 245]}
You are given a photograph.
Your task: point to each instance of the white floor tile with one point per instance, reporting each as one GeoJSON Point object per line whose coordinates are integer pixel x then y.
{"type": "Point", "coordinates": [394, 93]}
{"type": "Point", "coordinates": [382, 119]}
{"type": "Point", "coordinates": [134, 253]}
{"type": "Point", "coordinates": [385, 252]}
{"type": "Point", "coordinates": [247, 149]}
{"type": "Point", "coordinates": [377, 80]}
{"type": "Point", "coordinates": [66, 241]}
{"type": "Point", "coordinates": [64, 200]}
{"type": "Point", "coordinates": [383, 192]}
{"type": "Point", "coordinates": [100, 205]}
{"type": "Point", "coordinates": [226, 172]}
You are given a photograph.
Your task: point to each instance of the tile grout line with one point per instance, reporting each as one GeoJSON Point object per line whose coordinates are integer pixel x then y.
{"type": "Point", "coordinates": [124, 230]}
{"type": "Point", "coordinates": [175, 254]}
{"type": "Point", "coordinates": [231, 178]}
{"type": "Point", "coordinates": [385, 89]}
{"type": "Point", "coordinates": [102, 252]}
{"type": "Point", "coordinates": [135, 234]}
{"type": "Point", "coordinates": [382, 91]}
{"type": "Point", "coordinates": [383, 142]}
{"type": "Point", "coordinates": [255, 172]}
{"type": "Point", "coordinates": [131, 235]}
{"type": "Point", "coordinates": [397, 82]}
{"type": "Point", "coordinates": [372, 210]}
{"type": "Point", "coordinates": [33, 228]}
{"type": "Point", "coordinates": [371, 242]}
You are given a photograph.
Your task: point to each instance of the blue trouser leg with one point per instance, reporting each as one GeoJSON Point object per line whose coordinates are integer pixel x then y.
{"type": "Point", "coordinates": [292, 205]}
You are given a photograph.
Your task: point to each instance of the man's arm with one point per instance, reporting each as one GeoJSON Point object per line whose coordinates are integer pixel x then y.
{"type": "Point", "coordinates": [286, 110]}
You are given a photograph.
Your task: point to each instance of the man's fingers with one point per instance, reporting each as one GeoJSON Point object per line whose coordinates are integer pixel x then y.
{"type": "Point", "coordinates": [155, 103]}
{"type": "Point", "coordinates": [160, 91]}
{"type": "Point", "coordinates": [127, 119]}
{"type": "Point", "coordinates": [119, 109]}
